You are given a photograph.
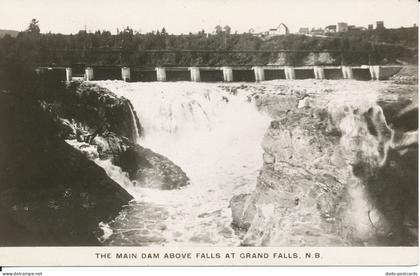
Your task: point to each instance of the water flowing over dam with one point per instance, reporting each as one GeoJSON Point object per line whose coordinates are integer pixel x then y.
{"type": "Point", "coordinates": [214, 135]}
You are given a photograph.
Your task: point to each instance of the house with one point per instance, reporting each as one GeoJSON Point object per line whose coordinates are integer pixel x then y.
{"type": "Point", "coordinates": [330, 29]}
{"type": "Point", "coordinates": [342, 27]}
{"type": "Point", "coordinates": [317, 32]}
{"type": "Point", "coordinates": [355, 28]}
{"type": "Point", "coordinates": [380, 25]}
{"type": "Point", "coordinates": [282, 29]}
{"type": "Point", "coordinates": [304, 30]}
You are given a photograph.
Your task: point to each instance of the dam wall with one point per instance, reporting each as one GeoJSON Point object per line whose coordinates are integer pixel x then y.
{"type": "Point", "coordinates": [304, 73]}
{"type": "Point", "coordinates": [211, 75]}
{"type": "Point", "coordinates": [182, 74]}
{"type": "Point", "coordinates": [143, 75]}
{"type": "Point", "coordinates": [221, 74]}
{"type": "Point", "coordinates": [244, 75]}
{"type": "Point", "coordinates": [274, 74]}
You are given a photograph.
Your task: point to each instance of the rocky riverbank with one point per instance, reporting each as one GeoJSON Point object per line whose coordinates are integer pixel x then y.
{"type": "Point", "coordinates": [53, 190]}
{"type": "Point", "coordinates": [340, 166]}
{"type": "Point", "coordinates": [107, 127]}
{"type": "Point", "coordinates": [51, 194]}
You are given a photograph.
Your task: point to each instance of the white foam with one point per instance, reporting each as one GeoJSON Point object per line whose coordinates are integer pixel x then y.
{"type": "Point", "coordinates": [113, 172]}
{"type": "Point", "coordinates": [107, 231]}
{"type": "Point", "coordinates": [214, 137]}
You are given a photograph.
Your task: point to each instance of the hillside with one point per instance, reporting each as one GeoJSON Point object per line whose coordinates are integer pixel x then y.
{"type": "Point", "coordinates": [12, 33]}
{"type": "Point", "coordinates": [131, 48]}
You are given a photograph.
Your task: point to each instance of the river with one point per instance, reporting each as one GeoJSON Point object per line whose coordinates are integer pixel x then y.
{"type": "Point", "coordinates": [214, 135]}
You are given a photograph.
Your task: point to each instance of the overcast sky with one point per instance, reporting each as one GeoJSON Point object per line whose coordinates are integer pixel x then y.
{"type": "Point", "coordinates": [184, 16]}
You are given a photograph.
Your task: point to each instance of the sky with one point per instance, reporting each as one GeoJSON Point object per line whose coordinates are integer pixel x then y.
{"type": "Point", "coordinates": [184, 16]}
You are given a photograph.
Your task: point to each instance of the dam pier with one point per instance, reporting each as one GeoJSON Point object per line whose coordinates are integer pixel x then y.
{"type": "Point", "coordinates": [221, 74]}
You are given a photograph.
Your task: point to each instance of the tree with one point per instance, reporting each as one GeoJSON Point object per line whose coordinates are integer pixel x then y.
{"type": "Point", "coordinates": [33, 27]}
{"type": "Point", "coordinates": [202, 33]}
{"type": "Point", "coordinates": [227, 29]}
{"type": "Point", "coordinates": [218, 29]}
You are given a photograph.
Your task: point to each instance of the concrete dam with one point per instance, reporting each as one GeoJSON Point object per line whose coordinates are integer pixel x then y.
{"type": "Point", "coordinates": [221, 74]}
{"type": "Point", "coordinates": [313, 65]}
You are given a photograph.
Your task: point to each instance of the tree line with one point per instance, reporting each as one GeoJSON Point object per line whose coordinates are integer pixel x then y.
{"type": "Point", "coordinates": [31, 47]}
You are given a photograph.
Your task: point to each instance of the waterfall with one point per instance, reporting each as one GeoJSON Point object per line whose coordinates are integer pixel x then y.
{"type": "Point", "coordinates": [136, 135]}
{"type": "Point", "coordinates": [113, 172]}
{"type": "Point", "coordinates": [214, 136]}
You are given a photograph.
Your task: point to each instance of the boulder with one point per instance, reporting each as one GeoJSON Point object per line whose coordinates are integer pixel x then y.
{"type": "Point", "coordinates": [50, 193]}
{"type": "Point", "coordinates": [243, 211]}
{"type": "Point", "coordinates": [150, 169]}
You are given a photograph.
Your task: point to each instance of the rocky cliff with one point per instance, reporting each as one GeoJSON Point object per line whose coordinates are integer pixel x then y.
{"type": "Point", "coordinates": [51, 194]}
{"type": "Point", "coordinates": [106, 127]}
{"type": "Point", "coordinates": [53, 142]}
{"type": "Point", "coordinates": [340, 166]}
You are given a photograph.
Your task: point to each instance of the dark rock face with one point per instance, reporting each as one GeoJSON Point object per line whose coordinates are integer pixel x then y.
{"type": "Point", "coordinates": [54, 194]}
{"type": "Point", "coordinates": [94, 110]}
{"type": "Point", "coordinates": [96, 116]}
{"type": "Point", "coordinates": [150, 169]}
{"type": "Point", "coordinates": [340, 168]}
{"type": "Point", "coordinates": [394, 186]}
{"type": "Point", "coordinates": [50, 193]}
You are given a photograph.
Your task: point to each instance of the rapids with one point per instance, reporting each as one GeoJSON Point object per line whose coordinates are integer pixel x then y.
{"type": "Point", "coordinates": [214, 136]}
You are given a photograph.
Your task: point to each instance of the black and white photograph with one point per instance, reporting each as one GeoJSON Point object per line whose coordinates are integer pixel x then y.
{"type": "Point", "coordinates": [130, 127]}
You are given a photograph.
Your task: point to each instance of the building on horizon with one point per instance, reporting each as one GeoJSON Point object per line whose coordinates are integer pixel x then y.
{"type": "Point", "coordinates": [355, 28]}
{"type": "Point", "coordinates": [281, 29]}
{"type": "Point", "coordinates": [303, 30]}
{"type": "Point", "coordinates": [342, 27]}
{"type": "Point", "coordinates": [380, 25]}
{"type": "Point", "coordinates": [330, 29]}
{"type": "Point", "coordinates": [317, 31]}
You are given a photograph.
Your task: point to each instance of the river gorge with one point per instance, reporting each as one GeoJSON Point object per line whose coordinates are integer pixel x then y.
{"type": "Point", "coordinates": [276, 163]}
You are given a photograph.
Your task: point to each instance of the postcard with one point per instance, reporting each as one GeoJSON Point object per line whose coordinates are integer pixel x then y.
{"type": "Point", "coordinates": [208, 133]}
